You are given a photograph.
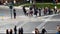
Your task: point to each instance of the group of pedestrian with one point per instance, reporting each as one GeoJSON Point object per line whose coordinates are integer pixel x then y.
{"type": "Point", "coordinates": [20, 30]}
{"type": "Point", "coordinates": [15, 31]}
{"type": "Point", "coordinates": [34, 11]}
{"type": "Point", "coordinates": [9, 32]}
{"type": "Point", "coordinates": [42, 32]}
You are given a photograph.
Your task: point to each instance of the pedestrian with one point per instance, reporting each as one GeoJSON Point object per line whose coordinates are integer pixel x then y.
{"type": "Point", "coordinates": [27, 13]}
{"type": "Point", "coordinates": [43, 30]}
{"type": "Point", "coordinates": [58, 29]}
{"type": "Point", "coordinates": [24, 10]}
{"type": "Point", "coordinates": [36, 31]}
{"type": "Point", "coordinates": [35, 11]}
{"type": "Point", "coordinates": [19, 31]}
{"type": "Point", "coordinates": [11, 32]}
{"type": "Point", "coordinates": [40, 12]}
{"type": "Point", "coordinates": [14, 12]}
{"type": "Point", "coordinates": [1, 3]}
{"type": "Point", "coordinates": [45, 10]}
{"type": "Point", "coordinates": [7, 32]}
{"type": "Point", "coordinates": [31, 13]}
{"type": "Point", "coordinates": [15, 30]}
{"type": "Point", "coordinates": [55, 9]}
{"type": "Point", "coordinates": [49, 11]}
{"type": "Point", "coordinates": [31, 8]}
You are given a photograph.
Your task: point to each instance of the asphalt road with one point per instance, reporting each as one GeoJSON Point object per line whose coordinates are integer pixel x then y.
{"type": "Point", "coordinates": [6, 12]}
{"type": "Point", "coordinates": [29, 24]}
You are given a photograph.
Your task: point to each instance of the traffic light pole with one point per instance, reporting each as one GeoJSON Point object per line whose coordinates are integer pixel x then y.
{"type": "Point", "coordinates": [11, 8]}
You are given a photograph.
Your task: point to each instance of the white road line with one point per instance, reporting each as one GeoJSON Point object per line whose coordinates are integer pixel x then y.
{"type": "Point", "coordinates": [54, 20]}
{"type": "Point", "coordinates": [51, 31]}
{"type": "Point", "coordinates": [24, 23]}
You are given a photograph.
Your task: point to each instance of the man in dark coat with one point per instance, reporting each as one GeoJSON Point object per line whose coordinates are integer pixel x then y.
{"type": "Point", "coordinates": [14, 12]}
{"type": "Point", "coordinates": [21, 30]}
{"type": "Point", "coordinates": [15, 30]}
{"type": "Point", "coordinates": [49, 10]}
{"type": "Point", "coordinates": [40, 12]}
{"type": "Point", "coordinates": [11, 32]}
{"type": "Point", "coordinates": [35, 11]}
{"type": "Point", "coordinates": [44, 30]}
{"type": "Point", "coordinates": [24, 10]}
{"type": "Point", "coordinates": [7, 32]}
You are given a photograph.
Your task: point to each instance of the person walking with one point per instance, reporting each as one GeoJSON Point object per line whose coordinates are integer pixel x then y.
{"type": "Point", "coordinates": [35, 11]}
{"type": "Point", "coordinates": [40, 12]}
{"type": "Point", "coordinates": [43, 30]}
{"type": "Point", "coordinates": [11, 32]}
{"type": "Point", "coordinates": [24, 10]}
{"type": "Point", "coordinates": [55, 9]}
{"type": "Point", "coordinates": [58, 29]}
{"type": "Point", "coordinates": [49, 11]}
{"type": "Point", "coordinates": [15, 30]}
{"type": "Point", "coordinates": [31, 12]}
{"type": "Point", "coordinates": [14, 12]}
{"type": "Point", "coordinates": [7, 32]}
{"type": "Point", "coordinates": [21, 30]}
{"type": "Point", "coordinates": [36, 31]}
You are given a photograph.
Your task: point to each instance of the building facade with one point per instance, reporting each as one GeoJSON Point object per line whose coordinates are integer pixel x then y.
{"type": "Point", "coordinates": [3, 1]}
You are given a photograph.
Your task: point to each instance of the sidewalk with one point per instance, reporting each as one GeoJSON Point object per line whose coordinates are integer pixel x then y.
{"type": "Point", "coordinates": [16, 7]}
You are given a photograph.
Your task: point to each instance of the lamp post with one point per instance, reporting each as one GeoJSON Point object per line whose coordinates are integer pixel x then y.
{"type": "Point", "coordinates": [11, 8]}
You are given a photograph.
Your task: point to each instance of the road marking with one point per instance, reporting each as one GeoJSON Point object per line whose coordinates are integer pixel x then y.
{"type": "Point", "coordinates": [54, 20]}
{"type": "Point", "coordinates": [44, 22]}
{"type": "Point", "coordinates": [51, 31]}
{"type": "Point", "coordinates": [2, 17]}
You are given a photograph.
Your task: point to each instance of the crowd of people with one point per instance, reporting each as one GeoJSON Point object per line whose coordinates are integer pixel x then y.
{"type": "Point", "coordinates": [34, 11]}
{"type": "Point", "coordinates": [15, 31]}
{"type": "Point", "coordinates": [21, 31]}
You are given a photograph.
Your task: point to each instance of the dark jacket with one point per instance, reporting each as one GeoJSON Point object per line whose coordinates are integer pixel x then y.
{"type": "Point", "coordinates": [24, 10]}
{"type": "Point", "coordinates": [43, 31]}
{"type": "Point", "coordinates": [15, 29]}
{"type": "Point", "coordinates": [11, 32]}
{"type": "Point", "coordinates": [21, 30]}
{"type": "Point", "coordinates": [7, 32]}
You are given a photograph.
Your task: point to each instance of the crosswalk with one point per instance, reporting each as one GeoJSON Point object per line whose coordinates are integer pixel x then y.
{"type": "Point", "coordinates": [22, 21]}
{"type": "Point", "coordinates": [9, 22]}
